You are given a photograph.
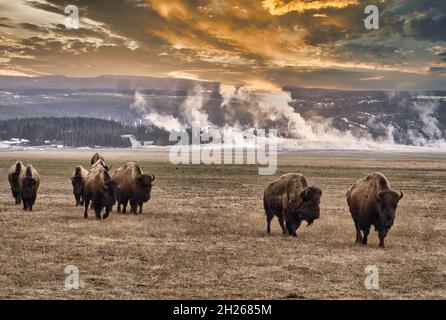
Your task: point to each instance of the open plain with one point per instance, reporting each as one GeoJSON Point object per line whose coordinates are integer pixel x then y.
{"type": "Point", "coordinates": [202, 235]}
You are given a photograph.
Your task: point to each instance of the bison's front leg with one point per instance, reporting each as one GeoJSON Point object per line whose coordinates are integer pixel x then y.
{"type": "Point", "coordinates": [86, 204]}
{"type": "Point", "coordinates": [97, 212]}
{"type": "Point", "coordinates": [31, 203]}
{"type": "Point", "coordinates": [107, 212]}
{"type": "Point", "coordinates": [140, 207]}
{"type": "Point", "coordinates": [294, 226]}
{"type": "Point", "coordinates": [17, 199]}
{"type": "Point", "coordinates": [124, 206]}
{"type": "Point", "coordinates": [282, 225]}
{"type": "Point", "coordinates": [366, 232]}
{"type": "Point", "coordinates": [382, 234]}
{"type": "Point", "coordinates": [134, 208]}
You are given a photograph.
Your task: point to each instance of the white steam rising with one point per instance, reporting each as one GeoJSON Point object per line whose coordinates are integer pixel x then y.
{"type": "Point", "coordinates": [244, 108]}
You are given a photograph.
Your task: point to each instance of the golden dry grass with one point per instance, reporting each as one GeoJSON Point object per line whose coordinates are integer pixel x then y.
{"type": "Point", "coordinates": [203, 233]}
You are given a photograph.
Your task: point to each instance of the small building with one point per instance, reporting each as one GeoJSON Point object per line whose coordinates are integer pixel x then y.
{"type": "Point", "coordinates": [16, 142]}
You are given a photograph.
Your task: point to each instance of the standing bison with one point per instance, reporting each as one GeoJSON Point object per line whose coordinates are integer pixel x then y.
{"type": "Point", "coordinates": [372, 202]}
{"type": "Point", "coordinates": [100, 190]}
{"type": "Point", "coordinates": [133, 186]}
{"type": "Point", "coordinates": [96, 157]}
{"type": "Point", "coordinates": [13, 177]}
{"type": "Point", "coordinates": [29, 184]}
{"type": "Point", "coordinates": [78, 182]}
{"type": "Point", "coordinates": [292, 200]}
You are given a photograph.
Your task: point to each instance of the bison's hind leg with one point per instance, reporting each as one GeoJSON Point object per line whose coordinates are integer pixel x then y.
{"type": "Point", "coordinates": [358, 229]}
{"type": "Point", "coordinates": [86, 204]}
{"type": "Point", "coordinates": [107, 212]}
{"type": "Point", "coordinates": [365, 231]}
{"type": "Point", "coordinates": [269, 217]}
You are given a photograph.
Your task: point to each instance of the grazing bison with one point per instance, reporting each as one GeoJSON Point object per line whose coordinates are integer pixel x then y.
{"type": "Point", "coordinates": [29, 184]}
{"type": "Point", "coordinates": [372, 202]}
{"type": "Point", "coordinates": [13, 177]}
{"type": "Point", "coordinates": [78, 181]}
{"type": "Point", "coordinates": [100, 190]}
{"type": "Point", "coordinates": [292, 200]}
{"type": "Point", "coordinates": [133, 186]}
{"type": "Point", "coordinates": [96, 157]}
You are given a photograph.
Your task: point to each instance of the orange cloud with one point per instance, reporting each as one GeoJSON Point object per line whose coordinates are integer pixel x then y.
{"type": "Point", "coordinates": [278, 7]}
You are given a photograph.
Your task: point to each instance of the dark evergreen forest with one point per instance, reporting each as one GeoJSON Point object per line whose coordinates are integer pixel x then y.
{"type": "Point", "coordinates": [79, 132]}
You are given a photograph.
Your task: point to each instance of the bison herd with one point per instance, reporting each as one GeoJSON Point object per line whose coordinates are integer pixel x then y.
{"type": "Point", "coordinates": [95, 188]}
{"type": "Point", "coordinates": [290, 198]}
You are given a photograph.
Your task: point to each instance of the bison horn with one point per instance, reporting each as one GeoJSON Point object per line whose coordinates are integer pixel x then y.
{"type": "Point", "coordinates": [153, 178]}
{"type": "Point", "coordinates": [401, 195]}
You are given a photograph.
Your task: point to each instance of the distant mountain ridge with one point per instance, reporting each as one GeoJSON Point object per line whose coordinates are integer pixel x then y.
{"type": "Point", "coordinates": [101, 82]}
{"type": "Point", "coordinates": [410, 117]}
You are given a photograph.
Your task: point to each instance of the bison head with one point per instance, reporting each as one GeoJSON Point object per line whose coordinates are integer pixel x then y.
{"type": "Point", "coordinates": [78, 184]}
{"type": "Point", "coordinates": [15, 184]}
{"type": "Point", "coordinates": [144, 183]}
{"type": "Point", "coordinates": [110, 193]}
{"type": "Point", "coordinates": [29, 188]}
{"type": "Point", "coordinates": [309, 208]}
{"type": "Point", "coordinates": [387, 205]}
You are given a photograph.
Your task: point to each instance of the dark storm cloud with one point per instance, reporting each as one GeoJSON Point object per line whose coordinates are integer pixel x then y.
{"type": "Point", "coordinates": [283, 42]}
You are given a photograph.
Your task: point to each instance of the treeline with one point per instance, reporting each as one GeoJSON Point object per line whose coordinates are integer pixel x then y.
{"type": "Point", "coordinates": [80, 132]}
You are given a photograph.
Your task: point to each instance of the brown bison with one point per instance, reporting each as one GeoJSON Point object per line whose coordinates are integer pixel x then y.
{"type": "Point", "coordinates": [13, 177]}
{"type": "Point", "coordinates": [372, 202]}
{"type": "Point", "coordinates": [292, 200]}
{"type": "Point", "coordinates": [29, 184]}
{"type": "Point", "coordinates": [78, 182]}
{"type": "Point", "coordinates": [133, 186]}
{"type": "Point", "coordinates": [96, 157]}
{"type": "Point", "coordinates": [100, 190]}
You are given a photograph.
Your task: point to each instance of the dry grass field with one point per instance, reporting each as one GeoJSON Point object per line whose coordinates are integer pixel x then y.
{"type": "Point", "coordinates": [202, 235]}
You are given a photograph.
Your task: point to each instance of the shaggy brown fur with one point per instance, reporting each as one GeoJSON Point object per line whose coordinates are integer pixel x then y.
{"type": "Point", "coordinates": [133, 186]}
{"type": "Point", "coordinates": [372, 202]}
{"type": "Point", "coordinates": [29, 184]}
{"type": "Point", "coordinates": [292, 200]}
{"type": "Point", "coordinates": [96, 157]}
{"type": "Point", "coordinates": [13, 177]}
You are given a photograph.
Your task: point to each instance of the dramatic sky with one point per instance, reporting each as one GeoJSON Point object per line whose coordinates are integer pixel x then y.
{"type": "Point", "coordinates": [263, 44]}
